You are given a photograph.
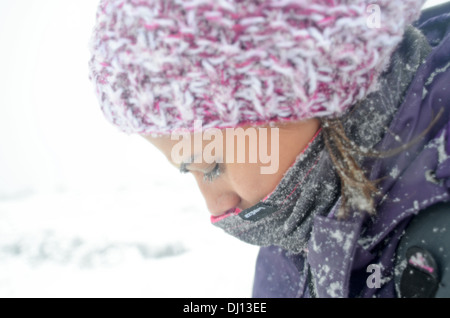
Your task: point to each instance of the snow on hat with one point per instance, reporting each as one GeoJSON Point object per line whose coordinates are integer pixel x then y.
{"type": "Point", "coordinates": [160, 65]}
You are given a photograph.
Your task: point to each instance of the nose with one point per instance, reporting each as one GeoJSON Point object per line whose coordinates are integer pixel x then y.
{"type": "Point", "coordinates": [223, 203]}
{"type": "Point", "coordinates": [219, 197]}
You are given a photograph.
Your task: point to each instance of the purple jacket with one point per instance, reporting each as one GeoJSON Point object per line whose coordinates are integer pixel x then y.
{"type": "Point", "coordinates": [339, 252]}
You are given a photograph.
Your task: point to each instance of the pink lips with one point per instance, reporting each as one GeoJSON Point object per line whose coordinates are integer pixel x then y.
{"type": "Point", "coordinates": [233, 211]}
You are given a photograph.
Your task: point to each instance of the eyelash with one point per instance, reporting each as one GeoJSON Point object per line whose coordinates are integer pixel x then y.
{"type": "Point", "coordinates": [209, 176]}
{"type": "Point", "coordinates": [213, 174]}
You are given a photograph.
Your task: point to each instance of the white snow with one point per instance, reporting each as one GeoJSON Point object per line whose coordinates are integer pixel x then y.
{"type": "Point", "coordinates": [424, 92]}
{"type": "Point", "coordinates": [394, 172]}
{"type": "Point", "coordinates": [337, 235]}
{"type": "Point", "coordinates": [334, 289]}
{"type": "Point", "coordinates": [118, 244]}
{"type": "Point", "coordinates": [435, 73]}
{"type": "Point", "coordinates": [126, 243]}
{"type": "Point", "coordinates": [430, 176]}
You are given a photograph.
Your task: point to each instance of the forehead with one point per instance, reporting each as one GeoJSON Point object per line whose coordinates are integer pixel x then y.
{"type": "Point", "coordinates": [190, 142]}
{"type": "Point", "coordinates": [164, 143]}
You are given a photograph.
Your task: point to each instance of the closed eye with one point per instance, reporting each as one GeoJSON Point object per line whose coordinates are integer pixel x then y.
{"type": "Point", "coordinates": [183, 168]}
{"type": "Point", "coordinates": [209, 176]}
{"type": "Point", "coordinates": [213, 174]}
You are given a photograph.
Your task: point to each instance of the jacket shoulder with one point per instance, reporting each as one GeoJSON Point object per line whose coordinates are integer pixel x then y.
{"type": "Point", "coordinates": [434, 22]}
{"type": "Point", "coordinates": [433, 12]}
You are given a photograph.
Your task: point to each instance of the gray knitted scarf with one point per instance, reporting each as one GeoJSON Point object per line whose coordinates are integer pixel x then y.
{"type": "Point", "coordinates": [311, 186]}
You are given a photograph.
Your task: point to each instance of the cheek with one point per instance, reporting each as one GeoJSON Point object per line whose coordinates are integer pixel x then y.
{"type": "Point", "coordinates": [250, 184]}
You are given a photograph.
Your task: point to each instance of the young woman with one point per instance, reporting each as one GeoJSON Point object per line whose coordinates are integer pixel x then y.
{"type": "Point", "coordinates": [349, 98]}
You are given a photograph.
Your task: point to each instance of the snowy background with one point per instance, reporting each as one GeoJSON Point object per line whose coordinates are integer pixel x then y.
{"type": "Point", "coordinates": [85, 210]}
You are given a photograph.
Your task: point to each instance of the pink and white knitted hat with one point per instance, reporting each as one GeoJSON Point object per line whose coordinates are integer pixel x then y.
{"type": "Point", "coordinates": [160, 65]}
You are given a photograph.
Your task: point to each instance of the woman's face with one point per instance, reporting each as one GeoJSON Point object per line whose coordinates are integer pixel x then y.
{"type": "Point", "coordinates": [238, 168]}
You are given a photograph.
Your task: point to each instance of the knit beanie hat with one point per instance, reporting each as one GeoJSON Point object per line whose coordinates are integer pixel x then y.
{"type": "Point", "coordinates": [158, 66]}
